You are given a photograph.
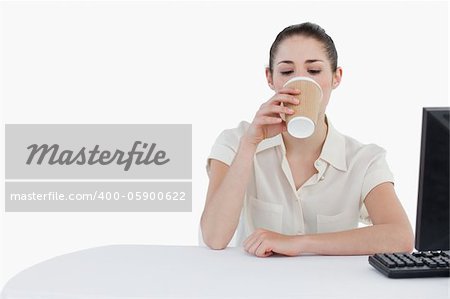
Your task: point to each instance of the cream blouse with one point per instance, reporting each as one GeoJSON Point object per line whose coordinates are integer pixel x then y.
{"type": "Point", "coordinates": [331, 200]}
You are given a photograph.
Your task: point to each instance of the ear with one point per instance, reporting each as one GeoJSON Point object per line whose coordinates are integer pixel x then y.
{"type": "Point", "coordinates": [269, 78]}
{"type": "Point", "coordinates": [337, 77]}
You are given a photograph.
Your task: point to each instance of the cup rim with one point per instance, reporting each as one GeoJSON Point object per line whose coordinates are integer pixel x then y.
{"type": "Point", "coordinates": [299, 78]}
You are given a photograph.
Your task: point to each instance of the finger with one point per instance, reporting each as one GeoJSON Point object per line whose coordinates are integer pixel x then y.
{"type": "Point", "coordinates": [252, 238]}
{"type": "Point", "coordinates": [269, 253]}
{"type": "Point", "coordinates": [275, 110]}
{"type": "Point", "coordinates": [282, 98]}
{"type": "Point", "coordinates": [287, 90]}
{"type": "Point", "coordinates": [253, 243]}
{"type": "Point", "coordinates": [267, 120]}
{"type": "Point", "coordinates": [246, 241]}
{"type": "Point", "coordinates": [249, 241]}
{"type": "Point", "coordinates": [262, 249]}
{"type": "Point", "coordinates": [248, 245]}
{"type": "Point", "coordinates": [252, 249]}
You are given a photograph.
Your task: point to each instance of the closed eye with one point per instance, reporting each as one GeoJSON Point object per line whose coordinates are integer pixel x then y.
{"type": "Point", "coordinates": [286, 72]}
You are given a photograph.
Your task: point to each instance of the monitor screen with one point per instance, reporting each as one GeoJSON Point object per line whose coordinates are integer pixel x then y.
{"type": "Point", "coordinates": [432, 224]}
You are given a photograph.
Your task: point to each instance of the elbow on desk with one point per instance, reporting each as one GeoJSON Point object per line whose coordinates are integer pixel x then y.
{"type": "Point", "coordinates": [401, 246]}
{"type": "Point", "coordinates": [213, 239]}
{"type": "Point", "coordinates": [214, 242]}
{"type": "Point", "coordinates": [216, 246]}
{"type": "Point", "coordinates": [409, 248]}
{"type": "Point", "coordinates": [409, 239]}
{"type": "Point", "coordinates": [404, 241]}
{"type": "Point", "coordinates": [408, 243]}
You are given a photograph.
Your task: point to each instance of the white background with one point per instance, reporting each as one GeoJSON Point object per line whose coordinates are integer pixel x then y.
{"type": "Point", "coordinates": [116, 63]}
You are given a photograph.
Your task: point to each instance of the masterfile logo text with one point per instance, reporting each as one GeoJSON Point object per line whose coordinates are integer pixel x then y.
{"type": "Point", "coordinates": [91, 157]}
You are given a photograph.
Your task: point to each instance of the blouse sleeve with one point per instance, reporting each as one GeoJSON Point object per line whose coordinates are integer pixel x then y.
{"type": "Point", "coordinates": [377, 172]}
{"type": "Point", "coordinates": [226, 145]}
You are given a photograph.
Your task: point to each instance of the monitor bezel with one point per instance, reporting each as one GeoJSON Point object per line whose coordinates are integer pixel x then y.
{"type": "Point", "coordinates": [426, 112]}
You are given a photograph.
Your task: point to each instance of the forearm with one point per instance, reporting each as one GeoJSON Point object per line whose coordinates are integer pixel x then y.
{"type": "Point", "coordinates": [360, 241]}
{"type": "Point", "coordinates": [221, 215]}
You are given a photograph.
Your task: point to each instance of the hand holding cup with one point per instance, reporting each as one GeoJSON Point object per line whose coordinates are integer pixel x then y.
{"type": "Point", "coordinates": [302, 123]}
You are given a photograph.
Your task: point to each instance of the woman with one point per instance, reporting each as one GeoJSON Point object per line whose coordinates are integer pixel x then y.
{"type": "Point", "coordinates": [291, 196]}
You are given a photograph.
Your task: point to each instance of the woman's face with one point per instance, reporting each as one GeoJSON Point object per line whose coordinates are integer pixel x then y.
{"type": "Point", "coordinates": [303, 56]}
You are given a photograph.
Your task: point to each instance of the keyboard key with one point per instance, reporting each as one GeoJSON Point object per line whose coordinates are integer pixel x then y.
{"type": "Point", "coordinates": [410, 263]}
{"type": "Point", "coordinates": [419, 263]}
{"type": "Point", "coordinates": [385, 260]}
{"type": "Point", "coordinates": [398, 262]}
{"type": "Point", "coordinates": [405, 258]}
{"type": "Point", "coordinates": [430, 263]}
{"type": "Point", "coordinates": [410, 256]}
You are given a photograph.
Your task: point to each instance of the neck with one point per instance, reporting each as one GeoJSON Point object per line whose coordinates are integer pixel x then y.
{"type": "Point", "coordinates": [307, 148]}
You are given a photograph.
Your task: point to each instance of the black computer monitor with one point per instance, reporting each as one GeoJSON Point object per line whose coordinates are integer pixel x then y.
{"type": "Point", "coordinates": [432, 222]}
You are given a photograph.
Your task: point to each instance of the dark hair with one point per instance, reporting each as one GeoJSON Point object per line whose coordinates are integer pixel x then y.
{"type": "Point", "coordinates": [308, 30]}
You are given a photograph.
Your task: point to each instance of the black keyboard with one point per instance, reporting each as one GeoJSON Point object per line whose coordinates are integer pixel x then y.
{"type": "Point", "coordinates": [411, 265]}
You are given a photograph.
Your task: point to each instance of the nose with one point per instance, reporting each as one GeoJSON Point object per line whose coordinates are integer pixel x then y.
{"type": "Point", "coordinates": [302, 73]}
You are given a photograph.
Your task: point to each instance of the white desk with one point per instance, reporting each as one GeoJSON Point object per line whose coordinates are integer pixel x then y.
{"type": "Point", "coordinates": [147, 271]}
